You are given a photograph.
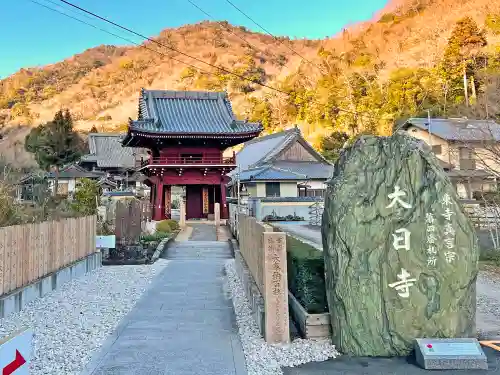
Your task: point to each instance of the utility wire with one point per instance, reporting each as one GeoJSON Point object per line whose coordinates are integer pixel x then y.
{"type": "Point", "coordinates": [161, 53]}
{"type": "Point", "coordinates": [228, 29]}
{"type": "Point", "coordinates": [268, 32]}
{"type": "Point", "coordinates": [118, 36]}
{"type": "Point", "coordinates": [170, 48]}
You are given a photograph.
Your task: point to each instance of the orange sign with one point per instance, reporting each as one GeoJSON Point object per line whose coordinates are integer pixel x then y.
{"type": "Point", "coordinates": [491, 344]}
{"type": "Point", "coordinates": [205, 200]}
{"type": "Point", "coordinates": [167, 202]}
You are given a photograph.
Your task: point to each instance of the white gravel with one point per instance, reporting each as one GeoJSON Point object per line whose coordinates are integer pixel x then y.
{"type": "Point", "coordinates": [71, 323]}
{"type": "Point", "coordinates": [263, 358]}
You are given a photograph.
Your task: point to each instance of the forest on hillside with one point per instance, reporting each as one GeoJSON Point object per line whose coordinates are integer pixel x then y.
{"type": "Point", "coordinates": [367, 80]}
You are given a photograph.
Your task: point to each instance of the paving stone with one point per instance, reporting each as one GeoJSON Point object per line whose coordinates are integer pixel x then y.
{"type": "Point", "coordinates": [184, 323]}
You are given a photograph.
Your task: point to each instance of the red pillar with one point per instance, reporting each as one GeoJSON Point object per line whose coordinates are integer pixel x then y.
{"type": "Point", "coordinates": [224, 209]}
{"type": "Point", "coordinates": [168, 202]}
{"type": "Point", "coordinates": [159, 206]}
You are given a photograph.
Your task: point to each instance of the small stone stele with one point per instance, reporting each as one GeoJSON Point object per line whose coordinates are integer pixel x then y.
{"type": "Point", "coordinates": [450, 354]}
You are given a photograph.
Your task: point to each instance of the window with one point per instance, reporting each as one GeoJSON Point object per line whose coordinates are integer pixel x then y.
{"type": "Point", "coordinates": [437, 149]}
{"type": "Point", "coordinates": [272, 189]}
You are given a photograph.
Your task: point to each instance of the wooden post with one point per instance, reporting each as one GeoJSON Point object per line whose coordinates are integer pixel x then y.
{"type": "Point", "coordinates": [159, 208]}
{"type": "Point", "coordinates": [275, 288]}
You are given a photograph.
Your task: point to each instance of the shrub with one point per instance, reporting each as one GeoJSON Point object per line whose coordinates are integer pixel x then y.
{"type": "Point", "coordinates": [164, 226]}
{"type": "Point", "coordinates": [174, 225]}
{"type": "Point", "coordinates": [157, 236]}
{"type": "Point", "coordinates": [306, 275]}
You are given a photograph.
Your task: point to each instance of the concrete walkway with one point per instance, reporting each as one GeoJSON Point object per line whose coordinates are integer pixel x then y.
{"type": "Point", "coordinates": [184, 324]}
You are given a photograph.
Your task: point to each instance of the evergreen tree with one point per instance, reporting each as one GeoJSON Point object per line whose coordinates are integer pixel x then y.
{"type": "Point", "coordinates": [461, 58]}
{"type": "Point", "coordinates": [93, 129]}
{"type": "Point", "coordinates": [55, 144]}
{"type": "Point", "coordinates": [331, 145]}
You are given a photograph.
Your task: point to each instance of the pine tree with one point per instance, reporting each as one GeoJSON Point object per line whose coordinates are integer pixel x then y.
{"type": "Point", "coordinates": [461, 56]}
{"type": "Point", "coordinates": [55, 144]}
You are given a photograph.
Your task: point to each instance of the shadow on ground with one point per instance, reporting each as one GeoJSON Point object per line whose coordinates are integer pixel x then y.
{"type": "Point", "coordinates": [385, 366]}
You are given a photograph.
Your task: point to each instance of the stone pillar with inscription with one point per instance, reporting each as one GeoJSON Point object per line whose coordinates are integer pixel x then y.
{"type": "Point", "coordinates": [276, 326]}
{"type": "Point", "coordinates": [401, 257]}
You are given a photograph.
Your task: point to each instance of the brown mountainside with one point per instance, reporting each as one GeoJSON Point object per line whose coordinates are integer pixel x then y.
{"type": "Point", "coordinates": [101, 85]}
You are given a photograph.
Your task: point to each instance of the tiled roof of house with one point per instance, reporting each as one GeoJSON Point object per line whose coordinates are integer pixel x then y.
{"type": "Point", "coordinates": [270, 173]}
{"type": "Point", "coordinates": [192, 112]}
{"type": "Point", "coordinates": [106, 149]}
{"type": "Point", "coordinates": [313, 170]}
{"type": "Point", "coordinates": [257, 149]}
{"type": "Point", "coordinates": [262, 153]}
{"type": "Point", "coordinates": [458, 129]}
{"type": "Point", "coordinates": [74, 171]}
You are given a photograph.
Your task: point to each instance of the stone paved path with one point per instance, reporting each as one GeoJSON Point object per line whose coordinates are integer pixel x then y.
{"type": "Point", "coordinates": [184, 324]}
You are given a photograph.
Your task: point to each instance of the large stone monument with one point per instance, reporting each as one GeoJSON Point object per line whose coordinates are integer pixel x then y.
{"type": "Point", "coordinates": [401, 257]}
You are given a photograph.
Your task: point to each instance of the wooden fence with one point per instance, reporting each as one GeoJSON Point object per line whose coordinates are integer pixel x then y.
{"type": "Point", "coordinates": [264, 252]}
{"type": "Point", "coordinates": [31, 251]}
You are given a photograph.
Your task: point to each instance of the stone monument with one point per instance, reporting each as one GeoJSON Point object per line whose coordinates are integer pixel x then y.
{"type": "Point", "coordinates": [401, 257]}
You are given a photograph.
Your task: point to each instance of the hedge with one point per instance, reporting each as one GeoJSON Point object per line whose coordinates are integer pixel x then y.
{"type": "Point", "coordinates": [306, 275]}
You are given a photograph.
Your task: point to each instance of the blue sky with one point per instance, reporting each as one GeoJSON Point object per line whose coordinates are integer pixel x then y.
{"type": "Point", "coordinates": [33, 35]}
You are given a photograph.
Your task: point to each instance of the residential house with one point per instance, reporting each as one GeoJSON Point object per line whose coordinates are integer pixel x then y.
{"type": "Point", "coordinates": [468, 149]}
{"type": "Point", "coordinates": [119, 163]}
{"type": "Point", "coordinates": [283, 164]}
{"type": "Point", "coordinates": [68, 179]}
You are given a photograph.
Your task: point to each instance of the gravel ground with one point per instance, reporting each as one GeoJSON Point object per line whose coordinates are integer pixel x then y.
{"type": "Point", "coordinates": [488, 303]}
{"type": "Point", "coordinates": [71, 323]}
{"type": "Point", "coordinates": [263, 358]}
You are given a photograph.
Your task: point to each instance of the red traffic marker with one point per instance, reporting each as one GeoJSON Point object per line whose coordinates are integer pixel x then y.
{"type": "Point", "coordinates": [14, 365]}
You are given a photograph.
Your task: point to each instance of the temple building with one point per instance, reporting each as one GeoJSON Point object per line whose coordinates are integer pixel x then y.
{"type": "Point", "coordinates": [186, 133]}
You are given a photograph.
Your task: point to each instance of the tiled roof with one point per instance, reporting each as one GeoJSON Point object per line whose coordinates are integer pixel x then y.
{"type": "Point", "coordinates": [458, 129]}
{"type": "Point", "coordinates": [106, 149]}
{"type": "Point", "coordinates": [270, 173]}
{"type": "Point", "coordinates": [194, 112]}
{"type": "Point", "coordinates": [313, 170]}
{"type": "Point", "coordinates": [74, 171]}
{"type": "Point", "coordinates": [257, 149]}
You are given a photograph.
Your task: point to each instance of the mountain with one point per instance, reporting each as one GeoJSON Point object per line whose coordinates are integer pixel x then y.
{"type": "Point", "coordinates": [355, 81]}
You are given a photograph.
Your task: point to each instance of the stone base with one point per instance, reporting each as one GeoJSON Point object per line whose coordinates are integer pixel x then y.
{"type": "Point", "coordinates": [452, 358]}
{"type": "Point", "coordinates": [18, 299]}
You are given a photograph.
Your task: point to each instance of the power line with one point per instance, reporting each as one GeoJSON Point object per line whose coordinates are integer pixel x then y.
{"type": "Point", "coordinates": [163, 54]}
{"type": "Point", "coordinates": [170, 48]}
{"type": "Point", "coordinates": [268, 32]}
{"type": "Point", "coordinates": [117, 36]}
{"type": "Point", "coordinates": [231, 31]}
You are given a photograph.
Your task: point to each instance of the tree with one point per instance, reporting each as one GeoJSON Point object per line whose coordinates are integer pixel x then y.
{"type": "Point", "coordinates": [461, 56]}
{"type": "Point", "coordinates": [331, 145]}
{"type": "Point", "coordinates": [55, 144]}
{"type": "Point", "coordinates": [86, 196]}
{"type": "Point", "coordinates": [94, 129]}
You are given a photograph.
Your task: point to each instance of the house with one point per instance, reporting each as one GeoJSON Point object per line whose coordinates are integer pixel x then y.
{"type": "Point", "coordinates": [30, 186]}
{"type": "Point", "coordinates": [468, 149]}
{"type": "Point", "coordinates": [283, 164]}
{"type": "Point", "coordinates": [119, 163]}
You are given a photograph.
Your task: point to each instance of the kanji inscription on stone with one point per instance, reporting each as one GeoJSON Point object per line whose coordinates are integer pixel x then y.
{"type": "Point", "coordinates": [275, 288]}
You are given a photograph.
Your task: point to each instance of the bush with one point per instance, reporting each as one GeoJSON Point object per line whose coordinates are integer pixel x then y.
{"type": "Point", "coordinates": [158, 236]}
{"type": "Point", "coordinates": [174, 225]}
{"type": "Point", "coordinates": [164, 226]}
{"type": "Point", "coordinates": [306, 275]}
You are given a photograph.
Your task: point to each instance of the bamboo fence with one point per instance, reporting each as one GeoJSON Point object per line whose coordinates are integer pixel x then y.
{"type": "Point", "coordinates": [31, 251]}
